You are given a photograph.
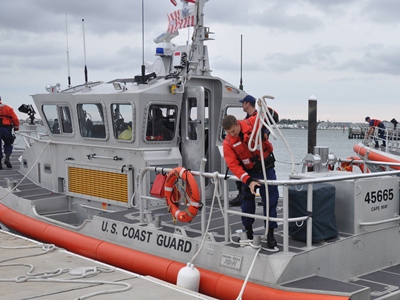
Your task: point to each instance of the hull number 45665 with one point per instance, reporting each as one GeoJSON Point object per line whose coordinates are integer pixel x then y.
{"type": "Point", "coordinates": [379, 196]}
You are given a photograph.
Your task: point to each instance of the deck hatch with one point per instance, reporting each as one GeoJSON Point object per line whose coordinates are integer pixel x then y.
{"type": "Point", "coordinates": [100, 184]}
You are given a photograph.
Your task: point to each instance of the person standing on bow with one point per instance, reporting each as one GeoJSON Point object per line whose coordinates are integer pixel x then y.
{"type": "Point", "coordinates": [8, 121]}
{"type": "Point", "coordinates": [246, 165]}
{"type": "Point", "coordinates": [374, 123]}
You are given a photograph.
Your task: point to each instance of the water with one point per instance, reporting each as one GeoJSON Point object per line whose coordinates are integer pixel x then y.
{"type": "Point", "coordinates": [336, 140]}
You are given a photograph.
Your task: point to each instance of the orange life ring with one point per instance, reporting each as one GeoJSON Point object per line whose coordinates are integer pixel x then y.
{"type": "Point", "coordinates": [192, 197]}
{"type": "Point", "coordinates": [348, 166]}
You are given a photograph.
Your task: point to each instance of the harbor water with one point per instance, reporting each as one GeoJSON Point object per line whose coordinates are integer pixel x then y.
{"type": "Point", "coordinates": [336, 140]}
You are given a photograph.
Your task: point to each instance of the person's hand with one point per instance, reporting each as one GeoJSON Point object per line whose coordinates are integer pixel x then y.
{"type": "Point", "coordinates": [252, 186]}
{"type": "Point", "coordinates": [16, 128]}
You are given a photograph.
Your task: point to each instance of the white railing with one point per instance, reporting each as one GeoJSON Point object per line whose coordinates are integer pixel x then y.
{"type": "Point", "coordinates": [391, 138]}
{"type": "Point", "coordinates": [285, 184]}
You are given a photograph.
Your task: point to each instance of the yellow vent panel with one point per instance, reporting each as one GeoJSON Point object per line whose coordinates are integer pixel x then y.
{"type": "Point", "coordinates": [101, 184]}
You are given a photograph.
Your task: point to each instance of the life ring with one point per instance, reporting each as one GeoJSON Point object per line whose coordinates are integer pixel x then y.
{"type": "Point", "coordinates": [348, 166]}
{"type": "Point", "coordinates": [192, 197]}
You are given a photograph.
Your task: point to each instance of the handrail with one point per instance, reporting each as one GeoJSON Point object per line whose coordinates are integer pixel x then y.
{"type": "Point", "coordinates": [284, 183]}
{"type": "Point", "coordinates": [59, 223]}
{"type": "Point", "coordinates": [69, 143]}
{"type": "Point", "coordinates": [360, 223]}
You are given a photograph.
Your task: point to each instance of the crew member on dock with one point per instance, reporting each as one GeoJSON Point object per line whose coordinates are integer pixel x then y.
{"type": "Point", "coordinates": [246, 165]}
{"type": "Point", "coordinates": [375, 123]}
{"type": "Point", "coordinates": [8, 121]}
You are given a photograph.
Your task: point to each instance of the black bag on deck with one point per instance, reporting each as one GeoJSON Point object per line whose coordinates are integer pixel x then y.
{"type": "Point", "coordinates": [323, 215]}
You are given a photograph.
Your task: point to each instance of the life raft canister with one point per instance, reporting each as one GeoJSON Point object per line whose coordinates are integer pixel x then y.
{"type": "Point", "coordinates": [192, 195]}
{"type": "Point", "coordinates": [348, 166]}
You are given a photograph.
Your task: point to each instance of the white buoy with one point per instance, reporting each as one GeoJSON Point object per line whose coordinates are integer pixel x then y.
{"type": "Point", "coordinates": [189, 278]}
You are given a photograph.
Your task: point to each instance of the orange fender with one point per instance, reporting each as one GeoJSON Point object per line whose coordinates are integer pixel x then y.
{"type": "Point", "coordinates": [348, 166]}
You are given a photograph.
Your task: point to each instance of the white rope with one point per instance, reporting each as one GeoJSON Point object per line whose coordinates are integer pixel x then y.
{"type": "Point", "coordinates": [217, 195]}
{"type": "Point", "coordinates": [239, 297]}
{"type": "Point", "coordinates": [48, 276]}
{"type": "Point", "coordinates": [33, 165]}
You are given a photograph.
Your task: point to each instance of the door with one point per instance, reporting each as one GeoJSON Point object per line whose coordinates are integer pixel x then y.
{"type": "Point", "coordinates": [193, 127]}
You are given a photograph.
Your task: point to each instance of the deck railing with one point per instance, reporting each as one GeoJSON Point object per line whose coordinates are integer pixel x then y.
{"type": "Point", "coordinates": [219, 180]}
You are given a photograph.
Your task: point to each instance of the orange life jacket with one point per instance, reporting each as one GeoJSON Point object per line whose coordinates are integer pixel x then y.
{"type": "Point", "coordinates": [8, 116]}
{"type": "Point", "coordinates": [238, 157]}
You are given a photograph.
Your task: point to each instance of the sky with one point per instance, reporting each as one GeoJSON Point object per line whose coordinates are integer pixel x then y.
{"type": "Point", "coordinates": [346, 53]}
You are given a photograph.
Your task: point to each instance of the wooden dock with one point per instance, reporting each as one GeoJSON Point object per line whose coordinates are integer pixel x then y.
{"type": "Point", "coordinates": [32, 270]}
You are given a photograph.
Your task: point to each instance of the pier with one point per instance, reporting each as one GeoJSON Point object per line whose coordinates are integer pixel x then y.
{"type": "Point", "coordinates": [33, 270]}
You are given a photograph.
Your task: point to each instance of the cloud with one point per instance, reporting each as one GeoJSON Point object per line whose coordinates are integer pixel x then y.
{"type": "Point", "coordinates": [376, 58]}
{"type": "Point", "coordinates": [382, 11]}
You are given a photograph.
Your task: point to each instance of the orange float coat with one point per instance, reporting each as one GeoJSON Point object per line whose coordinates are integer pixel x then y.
{"type": "Point", "coordinates": [238, 157]}
{"type": "Point", "coordinates": [8, 116]}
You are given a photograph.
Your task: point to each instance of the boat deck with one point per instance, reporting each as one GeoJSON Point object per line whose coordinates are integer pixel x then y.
{"type": "Point", "coordinates": [31, 270]}
{"type": "Point", "coordinates": [378, 285]}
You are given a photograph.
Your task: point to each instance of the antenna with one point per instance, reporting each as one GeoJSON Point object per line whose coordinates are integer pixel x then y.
{"type": "Point", "coordinates": [143, 78]}
{"type": "Point", "coordinates": [66, 31]}
{"type": "Point", "coordinates": [143, 66]}
{"type": "Point", "coordinates": [84, 50]}
{"type": "Point", "coordinates": [241, 54]}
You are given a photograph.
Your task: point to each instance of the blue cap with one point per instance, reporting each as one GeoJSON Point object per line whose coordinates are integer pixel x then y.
{"type": "Point", "coordinates": [249, 98]}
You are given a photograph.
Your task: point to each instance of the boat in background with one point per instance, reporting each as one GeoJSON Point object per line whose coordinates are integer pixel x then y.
{"type": "Point", "coordinates": [380, 158]}
{"type": "Point", "coordinates": [118, 157]}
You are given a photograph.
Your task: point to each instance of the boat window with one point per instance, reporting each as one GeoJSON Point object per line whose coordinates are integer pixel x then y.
{"type": "Point", "coordinates": [161, 122]}
{"type": "Point", "coordinates": [58, 118]}
{"type": "Point", "coordinates": [192, 120]}
{"type": "Point", "coordinates": [122, 116]}
{"type": "Point", "coordinates": [237, 111]}
{"type": "Point", "coordinates": [91, 120]}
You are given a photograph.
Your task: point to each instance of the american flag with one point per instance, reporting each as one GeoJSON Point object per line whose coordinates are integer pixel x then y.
{"type": "Point", "coordinates": [174, 2]}
{"type": "Point", "coordinates": [181, 18]}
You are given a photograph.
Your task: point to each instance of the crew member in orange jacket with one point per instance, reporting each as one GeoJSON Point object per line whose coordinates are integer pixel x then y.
{"type": "Point", "coordinates": [246, 165]}
{"type": "Point", "coordinates": [249, 107]}
{"type": "Point", "coordinates": [8, 121]}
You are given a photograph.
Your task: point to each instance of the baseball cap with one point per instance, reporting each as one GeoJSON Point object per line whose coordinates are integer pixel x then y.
{"type": "Point", "coordinates": [248, 98]}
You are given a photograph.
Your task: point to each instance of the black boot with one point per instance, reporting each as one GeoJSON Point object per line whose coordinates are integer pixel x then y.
{"type": "Point", "coordinates": [249, 230]}
{"type": "Point", "coordinates": [7, 161]}
{"type": "Point", "coordinates": [271, 242]}
{"type": "Point", "coordinates": [236, 201]}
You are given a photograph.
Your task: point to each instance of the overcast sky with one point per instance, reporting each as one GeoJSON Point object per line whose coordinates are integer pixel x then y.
{"type": "Point", "coordinates": [344, 52]}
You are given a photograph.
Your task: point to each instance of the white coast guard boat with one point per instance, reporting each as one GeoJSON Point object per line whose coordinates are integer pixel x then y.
{"type": "Point", "coordinates": [380, 158]}
{"type": "Point", "coordinates": [85, 186]}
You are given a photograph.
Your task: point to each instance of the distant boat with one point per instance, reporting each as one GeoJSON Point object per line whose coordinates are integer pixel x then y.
{"type": "Point", "coordinates": [380, 158]}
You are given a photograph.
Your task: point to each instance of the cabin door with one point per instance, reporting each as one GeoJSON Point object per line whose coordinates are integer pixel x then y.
{"type": "Point", "coordinates": [193, 127]}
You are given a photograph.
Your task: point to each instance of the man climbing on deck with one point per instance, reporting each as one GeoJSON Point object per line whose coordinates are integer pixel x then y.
{"type": "Point", "coordinates": [246, 165]}
{"type": "Point", "coordinates": [375, 123]}
{"type": "Point", "coordinates": [8, 121]}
